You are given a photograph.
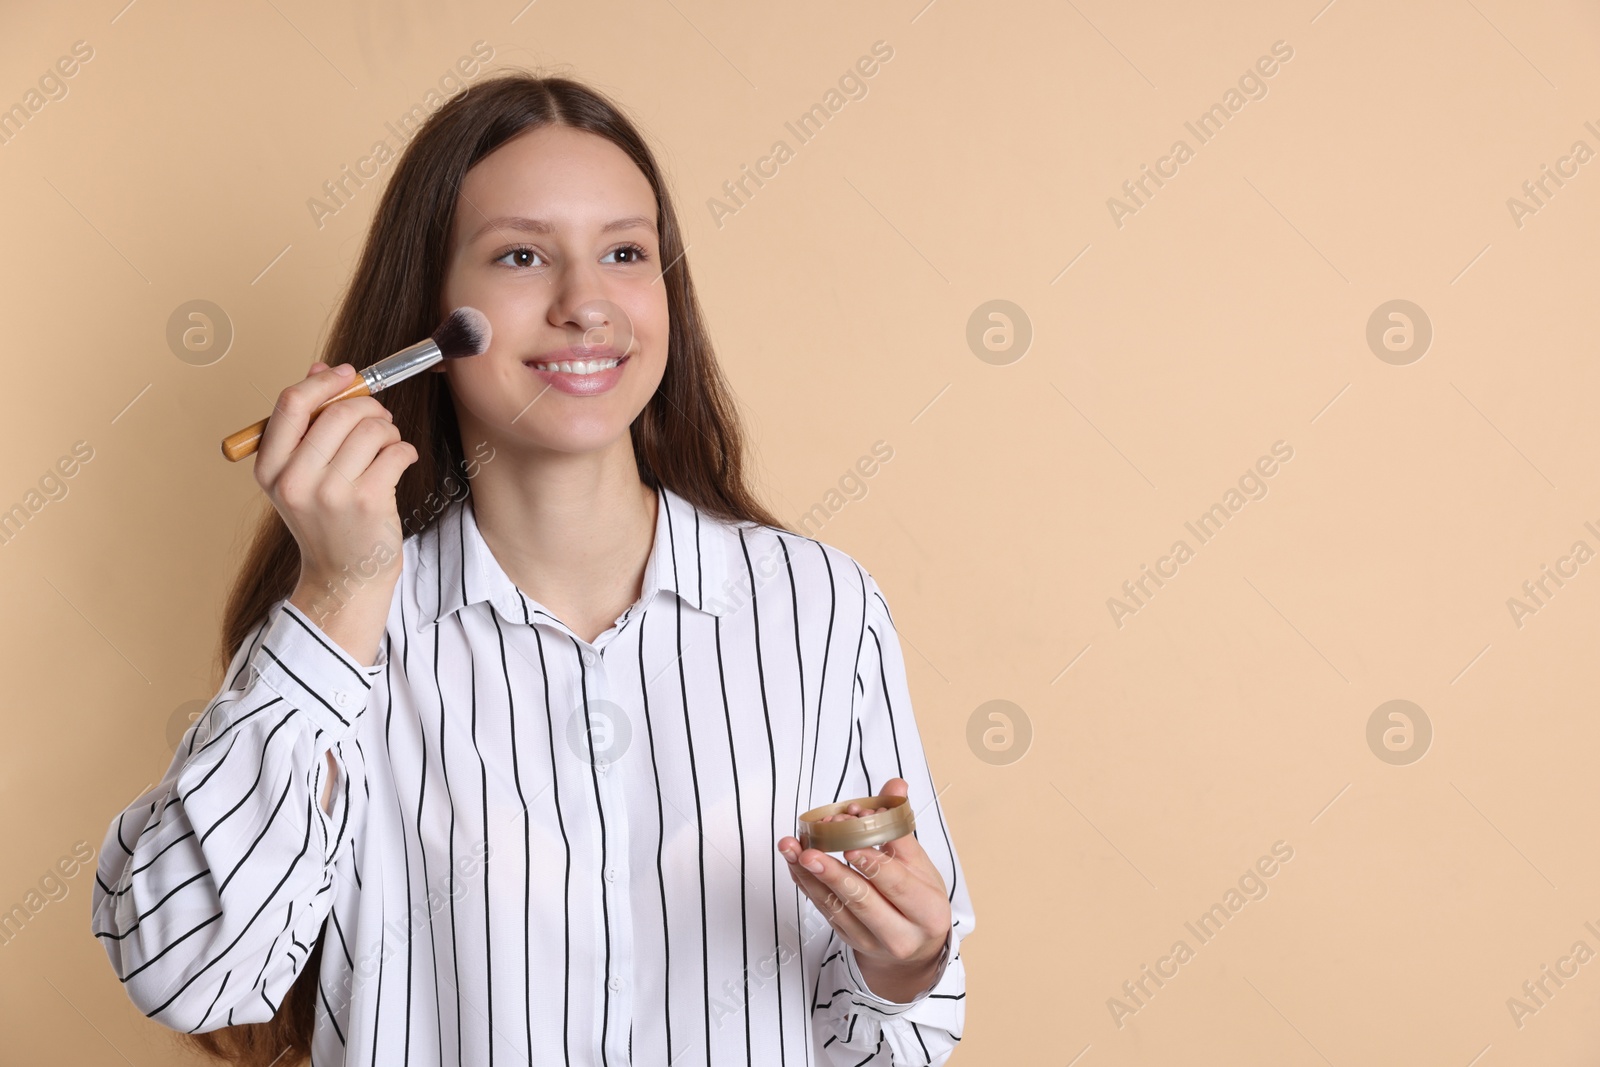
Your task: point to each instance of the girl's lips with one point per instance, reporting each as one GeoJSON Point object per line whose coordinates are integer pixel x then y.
{"type": "Point", "coordinates": [581, 384]}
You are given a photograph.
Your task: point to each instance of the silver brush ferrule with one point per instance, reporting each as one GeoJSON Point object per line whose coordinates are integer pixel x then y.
{"type": "Point", "coordinates": [405, 363]}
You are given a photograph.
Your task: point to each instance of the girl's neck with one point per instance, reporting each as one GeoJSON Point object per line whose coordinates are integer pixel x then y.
{"type": "Point", "coordinates": [572, 531]}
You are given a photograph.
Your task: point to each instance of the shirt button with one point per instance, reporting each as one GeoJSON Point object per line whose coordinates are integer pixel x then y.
{"type": "Point", "coordinates": [588, 658]}
{"type": "Point", "coordinates": [601, 765]}
{"type": "Point", "coordinates": [611, 874]}
{"type": "Point", "coordinates": [616, 984]}
{"type": "Point", "coordinates": [341, 698]}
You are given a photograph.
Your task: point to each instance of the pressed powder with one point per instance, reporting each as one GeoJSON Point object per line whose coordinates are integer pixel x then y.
{"type": "Point", "coordinates": [831, 828]}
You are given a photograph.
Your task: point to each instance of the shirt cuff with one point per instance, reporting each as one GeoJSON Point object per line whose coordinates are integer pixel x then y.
{"type": "Point", "coordinates": [313, 674]}
{"type": "Point", "coordinates": [891, 1007]}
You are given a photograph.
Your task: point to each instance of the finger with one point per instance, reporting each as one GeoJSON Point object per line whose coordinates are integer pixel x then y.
{"type": "Point", "coordinates": [361, 445]}
{"type": "Point", "coordinates": [822, 895]}
{"type": "Point", "coordinates": [291, 415]}
{"type": "Point", "coordinates": [386, 469]}
{"type": "Point", "coordinates": [328, 427]}
{"type": "Point", "coordinates": [903, 926]}
{"type": "Point", "coordinates": [328, 432]}
{"type": "Point", "coordinates": [906, 890]}
{"type": "Point", "coordinates": [835, 910]}
{"type": "Point", "coordinates": [859, 894]}
{"type": "Point", "coordinates": [909, 850]}
{"type": "Point", "coordinates": [905, 847]}
{"type": "Point", "coordinates": [279, 438]}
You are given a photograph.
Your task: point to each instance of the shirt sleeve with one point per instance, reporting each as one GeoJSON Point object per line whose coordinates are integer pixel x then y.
{"type": "Point", "coordinates": [212, 887]}
{"type": "Point", "coordinates": [853, 1025]}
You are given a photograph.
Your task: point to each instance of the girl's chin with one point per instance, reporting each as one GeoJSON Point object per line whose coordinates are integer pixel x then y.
{"type": "Point", "coordinates": [573, 434]}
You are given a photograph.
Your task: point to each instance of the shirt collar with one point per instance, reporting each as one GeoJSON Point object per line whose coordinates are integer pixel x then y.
{"type": "Point", "coordinates": [691, 556]}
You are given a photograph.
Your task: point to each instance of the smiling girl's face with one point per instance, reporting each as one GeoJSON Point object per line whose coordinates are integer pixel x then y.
{"type": "Point", "coordinates": [554, 239]}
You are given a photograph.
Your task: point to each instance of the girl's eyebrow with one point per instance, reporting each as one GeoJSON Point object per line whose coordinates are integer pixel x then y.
{"type": "Point", "coordinates": [523, 224]}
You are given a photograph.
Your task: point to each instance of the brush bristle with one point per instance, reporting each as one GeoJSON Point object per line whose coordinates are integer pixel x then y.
{"type": "Point", "coordinates": [465, 333]}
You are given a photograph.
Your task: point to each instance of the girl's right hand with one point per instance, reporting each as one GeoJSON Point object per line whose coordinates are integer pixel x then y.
{"type": "Point", "coordinates": [334, 482]}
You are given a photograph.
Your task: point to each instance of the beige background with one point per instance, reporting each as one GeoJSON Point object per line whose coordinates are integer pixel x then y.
{"type": "Point", "coordinates": [1230, 312]}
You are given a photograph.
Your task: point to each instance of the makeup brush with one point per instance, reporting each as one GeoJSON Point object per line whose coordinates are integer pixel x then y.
{"type": "Point", "coordinates": [465, 333]}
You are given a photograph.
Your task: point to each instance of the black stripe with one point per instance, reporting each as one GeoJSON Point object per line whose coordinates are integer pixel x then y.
{"type": "Point", "coordinates": [251, 792]}
{"type": "Point", "coordinates": [566, 845]}
{"type": "Point", "coordinates": [376, 1032]}
{"type": "Point", "coordinates": [121, 842]}
{"type": "Point", "coordinates": [303, 685]}
{"type": "Point", "coordinates": [874, 1051]}
{"type": "Point", "coordinates": [699, 563]}
{"type": "Point", "coordinates": [450, 802]}
{"type": "Point", "coordinates": [184, 799]}
{"type": "Point", "coordinates": [699, 814]}
{"type": "Point", "coordinates": [661, 837]}
{"type": "Point", "coordinates": [405, 846]}
{"type": "Point", "coordinates": [822, 685]}
{"type": "Point", "coordinates": [213, 740]}
{"type": "Point", "coordinates": [288, 783]}
{"type": "Point", "coordinates": [861, 638]}
{"type": "Point", "coordinates": [422, 848]}
{"type": "Point", "coordinates": [254, 641]}
{"type": "Point", "coordinates": [344, 817]}
{"type": "Point", "coordinates": [888, 704]}
{"type": "Point", "coordinates": [338, 929]}
{"type": "Point", "coordinates": [169, 845]}
{"type": "Point", "coordinates": [483, 770]}
{"type": "Point", "coordinates": [151, 910]}
{"type": "Point", "coordinates": [861, 755]}
{"type": "Point", "coordinates": [213, 1005]}
{"type": "Point", "coordinates": [738, 810]}
{"type": "Point", "coordinates": [527, 839]}
{"type": "Point", "coordinates": [130, 873]}
{"type": "Point", "coordinates": [800, 671]}
{"type": "Point", "coordinates": [221, 700]}
{"type": "Point", "coordinates": [328, 1012]}
{"type": "Point", "coordinates": [772, 758]}
{"type": "Point", "coordinates": [316, 635]}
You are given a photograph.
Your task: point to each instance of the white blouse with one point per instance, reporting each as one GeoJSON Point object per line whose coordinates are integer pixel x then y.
{"type": "Point", "coordinates": [538, 842]}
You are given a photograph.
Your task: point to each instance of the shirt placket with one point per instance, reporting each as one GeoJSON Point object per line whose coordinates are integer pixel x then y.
{"type": "Point", "coordinates": [611, 1040]}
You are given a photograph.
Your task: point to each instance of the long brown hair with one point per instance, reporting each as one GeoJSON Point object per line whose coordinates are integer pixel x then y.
{"type": "Point", "coordinates": [687, 438]}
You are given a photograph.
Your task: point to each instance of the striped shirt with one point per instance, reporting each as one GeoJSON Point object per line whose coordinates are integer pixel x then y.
{"type": "Point", "coordinates": [540, 845]}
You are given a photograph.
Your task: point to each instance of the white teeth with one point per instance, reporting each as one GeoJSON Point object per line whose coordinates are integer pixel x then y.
{"type": "Point", "coordinates": [582, 366]}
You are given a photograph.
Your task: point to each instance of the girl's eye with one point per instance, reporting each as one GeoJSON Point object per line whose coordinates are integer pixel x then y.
{"type": "Point", "coordinates": [636, 252]}
{"type": "Point", "coordinates": [520, 250]}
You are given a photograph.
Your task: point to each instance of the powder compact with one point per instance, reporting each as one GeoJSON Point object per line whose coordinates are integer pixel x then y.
{"type": "Point", "coordinates": [859, 831]}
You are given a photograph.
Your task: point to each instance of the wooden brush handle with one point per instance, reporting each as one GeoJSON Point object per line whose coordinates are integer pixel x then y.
{"type": "Point", "coordinates": [238, 445]}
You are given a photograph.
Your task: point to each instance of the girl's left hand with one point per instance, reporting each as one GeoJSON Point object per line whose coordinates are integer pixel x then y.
{"type": "Point", "coordinates": [892, 908]}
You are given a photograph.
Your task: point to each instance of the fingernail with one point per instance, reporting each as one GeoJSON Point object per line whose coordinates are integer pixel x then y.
{"type": "Point", "coordinates": [346, 369]}
{"type": "Point", "coordinates": [814, 866]}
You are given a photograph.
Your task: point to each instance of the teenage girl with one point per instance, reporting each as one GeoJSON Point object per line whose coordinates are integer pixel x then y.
{"type": "Point", "coordinates": [525, 689]}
